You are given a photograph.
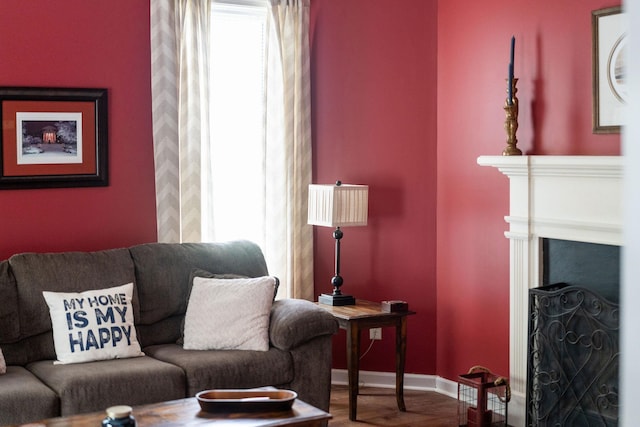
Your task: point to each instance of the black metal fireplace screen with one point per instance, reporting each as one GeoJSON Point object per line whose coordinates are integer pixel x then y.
{"type": "Point", "coordinates": [572, 372]}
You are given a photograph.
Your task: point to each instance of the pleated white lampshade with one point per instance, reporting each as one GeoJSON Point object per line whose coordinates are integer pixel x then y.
{"type": "Point", "coordinates": [338, 205]}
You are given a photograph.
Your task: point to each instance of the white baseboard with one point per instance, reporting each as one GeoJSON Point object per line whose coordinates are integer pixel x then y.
{"type": "Point", "coordinates": [388, 380]}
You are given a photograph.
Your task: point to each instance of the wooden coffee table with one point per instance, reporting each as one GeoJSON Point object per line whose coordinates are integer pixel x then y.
{"type": "Point", "coordinates": [186, 412]}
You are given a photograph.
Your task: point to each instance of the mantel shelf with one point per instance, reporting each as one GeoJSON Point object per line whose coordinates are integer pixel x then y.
{"type": "Point", "coordinates": [592, 166]}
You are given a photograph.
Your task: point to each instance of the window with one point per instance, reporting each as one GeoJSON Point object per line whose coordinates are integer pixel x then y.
{"type": "Point", "coordinates": [237, 110]}
{"type": "Point", "coordinates": [212, 151]}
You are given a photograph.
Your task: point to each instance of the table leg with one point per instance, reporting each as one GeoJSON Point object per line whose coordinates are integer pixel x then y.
{"type": "Point", "coordinates": [401, 351]}
{"type": "Point", "coordinates": [353, 362]}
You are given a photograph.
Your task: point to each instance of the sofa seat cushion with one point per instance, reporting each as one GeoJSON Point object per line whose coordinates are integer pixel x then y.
{"type": "Point", "coordinates": [210, 369]}
{"type": "Point", "coordinates": [94, 386]}
{"type": "Point", "coordinates": [24, 398]}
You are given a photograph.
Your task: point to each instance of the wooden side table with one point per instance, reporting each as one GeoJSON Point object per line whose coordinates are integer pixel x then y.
{"type": "Point", "coordinates": [367, 315]}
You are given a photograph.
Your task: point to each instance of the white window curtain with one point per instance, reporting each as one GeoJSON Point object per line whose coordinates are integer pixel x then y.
{"type": "Point", "coordinates": [179, 63]}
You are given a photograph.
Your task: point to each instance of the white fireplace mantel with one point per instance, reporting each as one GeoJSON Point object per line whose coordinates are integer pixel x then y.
{"type": "Point", "coordinates": [561, 197]}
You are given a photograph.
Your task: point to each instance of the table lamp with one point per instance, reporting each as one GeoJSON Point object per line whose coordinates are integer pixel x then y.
{"type": "Point", "coordinates": [339, 205]}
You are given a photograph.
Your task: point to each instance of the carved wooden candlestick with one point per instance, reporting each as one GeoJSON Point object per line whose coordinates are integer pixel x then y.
{"type": "Point", "coordinates": [511, 122]}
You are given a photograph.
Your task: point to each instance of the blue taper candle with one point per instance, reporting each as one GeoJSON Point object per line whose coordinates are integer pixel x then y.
{"type": "Point", "coordinates": [513, 48]}
{"type": "Point", "coordinates": [510, 81]}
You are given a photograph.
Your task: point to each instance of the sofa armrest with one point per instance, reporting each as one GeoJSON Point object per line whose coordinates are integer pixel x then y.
{"type": "Point", "coordinates": [296, 321]}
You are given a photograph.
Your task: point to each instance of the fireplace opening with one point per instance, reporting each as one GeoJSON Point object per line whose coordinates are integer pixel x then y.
{"type": "Point", "coordinates": [573, 344]}
{"type": "Point", "coordinates": [592, 266]}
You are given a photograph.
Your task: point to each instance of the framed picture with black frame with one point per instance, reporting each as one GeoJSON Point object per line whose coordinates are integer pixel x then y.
{"type": "Point", "coordinates": [53, 137]}
{"type": "Point", "coordinates": [609, 42]}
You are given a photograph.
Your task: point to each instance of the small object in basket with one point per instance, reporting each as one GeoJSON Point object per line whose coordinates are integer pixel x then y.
{"type": "Point", "coordinates": [394, 306]}
{"type": "Point", "coordinates": [246, 400]}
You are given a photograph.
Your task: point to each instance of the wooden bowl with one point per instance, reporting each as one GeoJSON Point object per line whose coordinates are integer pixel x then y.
{"type": "Point", "coordinates": [253, 400]}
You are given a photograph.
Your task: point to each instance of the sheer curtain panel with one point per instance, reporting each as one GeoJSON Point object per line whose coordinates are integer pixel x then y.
{"type": "Point", "coordinates": [289, 140]}
{"type": "Point", "coordinates": [179, 76]}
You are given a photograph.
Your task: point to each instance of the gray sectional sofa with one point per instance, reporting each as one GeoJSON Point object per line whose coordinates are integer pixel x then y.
{"type": "Point", "coordinates": [33, 388]}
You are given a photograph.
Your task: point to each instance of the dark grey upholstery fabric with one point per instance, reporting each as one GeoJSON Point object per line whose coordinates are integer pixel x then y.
{"type": "Point", "coordinates": [24, 398]}
{"type": "Point", "coordinates": [65, 272]}
{"type": "Point", "coordinates": [39, 347]}
{"type": "Point", "coordinates": [9, 328]}
{"type": "Point", "coordinates": [209, 369]}
{"type": "Point", "coordinates": [305, 330]}
{"type": "Point", "coordinates": [295, 321]}
{"type": "Point", "coordinates": [94, 386]}
{"type": "Point", "coordinates": [164, 331]}
{"type": "Point", "coordinates": [312, 364]}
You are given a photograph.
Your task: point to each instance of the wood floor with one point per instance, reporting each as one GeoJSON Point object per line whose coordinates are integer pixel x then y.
{"type": "Point", "coordinates": [377, 407]}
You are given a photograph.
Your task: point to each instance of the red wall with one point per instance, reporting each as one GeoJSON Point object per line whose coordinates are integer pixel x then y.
{"type": "Point", "coordinates": [79, 43]}
{"type": "Point", "coordinates": [553, 64]}
{"type": "Point", "coordinates": [374, 122]}
{"type": "Point", "coordinates": [374, 112]}
{"type": "Point", "coordinates": [404, 99]}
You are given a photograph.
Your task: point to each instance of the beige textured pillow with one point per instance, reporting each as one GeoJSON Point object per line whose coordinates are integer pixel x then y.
{"type": "Point", "coordinates": [226, 314]}
{"type": "Point", "coordinates": [93, 325]}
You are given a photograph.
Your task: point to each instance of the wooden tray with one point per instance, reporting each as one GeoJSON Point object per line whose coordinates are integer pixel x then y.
{"type": "Point", "coordinates": [225, 400]}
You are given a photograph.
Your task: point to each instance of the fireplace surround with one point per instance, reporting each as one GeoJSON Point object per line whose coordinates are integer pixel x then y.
{"type": "Point", "coordinates": [575, 198]}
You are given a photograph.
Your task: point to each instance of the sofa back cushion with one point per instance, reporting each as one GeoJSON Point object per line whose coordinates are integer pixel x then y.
{"type": "Point", "coordinates": [163, 272]}
{"type": "Point", "coordinates": [60, 272]}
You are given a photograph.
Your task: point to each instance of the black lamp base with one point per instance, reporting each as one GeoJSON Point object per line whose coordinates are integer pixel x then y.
{"type": "Point", "coordinates": [329, 299]}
